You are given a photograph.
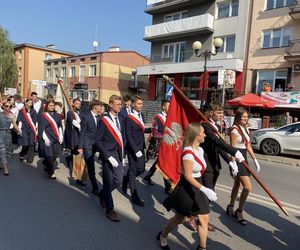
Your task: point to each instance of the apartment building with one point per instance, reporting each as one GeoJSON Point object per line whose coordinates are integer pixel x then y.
{"type": "Point", "coordinates": [274, 51]}
{"type": "Point", "coordinates": [99, 75]}
{"type": "Point", "coordinates": [176, 24]}
{"type": "Point", "coordinates": [30, 62]}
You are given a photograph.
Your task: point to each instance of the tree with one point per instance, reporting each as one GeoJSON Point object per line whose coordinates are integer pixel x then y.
{"type": "Point", "coordinates": [8, 66]}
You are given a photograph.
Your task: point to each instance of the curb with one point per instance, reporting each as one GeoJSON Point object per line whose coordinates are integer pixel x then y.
{"type": "Point", "coordinates": [277, 161]}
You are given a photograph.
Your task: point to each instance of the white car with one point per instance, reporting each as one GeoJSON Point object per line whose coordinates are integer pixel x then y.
{"type": "Point", "coordinates": [272, 141]}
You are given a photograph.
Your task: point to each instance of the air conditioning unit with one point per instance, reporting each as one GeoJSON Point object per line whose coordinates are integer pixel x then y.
{"type": "Point", "coordinates": [296, 67]}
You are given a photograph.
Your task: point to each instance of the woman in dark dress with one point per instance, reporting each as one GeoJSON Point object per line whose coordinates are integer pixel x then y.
{"type": "Point", "coordinates": [190, 197]}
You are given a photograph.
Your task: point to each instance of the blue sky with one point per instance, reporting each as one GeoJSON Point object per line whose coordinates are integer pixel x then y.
{"type": "Point", "coordinates": [71, 24]}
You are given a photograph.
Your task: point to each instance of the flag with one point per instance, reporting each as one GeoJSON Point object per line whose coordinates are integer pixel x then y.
{"type": "Point", "coordinates": [61, 97]}
{"type": "Point", "coordinates": [180, 114]}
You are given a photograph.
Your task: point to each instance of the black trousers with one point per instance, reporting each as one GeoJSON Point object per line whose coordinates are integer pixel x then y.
{"type": "Point", "coordinates": [112, 178]}
{"type": "Point", "coordinates": [210, 179]}
{"type": "Point", "coordinates": [151, 172]}
{"type": "Point", "coordinates": [49, 163]}
{"type": "Point", "coordinates": [28, 153]}
{"type": "Point", "coordinates": [136, 167]}
{"type": "Point", "coordinates": [89, 154]}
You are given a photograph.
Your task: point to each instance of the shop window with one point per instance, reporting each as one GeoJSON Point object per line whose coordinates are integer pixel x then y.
{"type": "Point", "coordinates": [191, 87]}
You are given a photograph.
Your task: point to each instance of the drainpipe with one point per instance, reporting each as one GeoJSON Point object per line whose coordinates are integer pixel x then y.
{"type": "Point", "coordinates": [248, 44]}
{"type": "Point", "coordinates": [100, 79]}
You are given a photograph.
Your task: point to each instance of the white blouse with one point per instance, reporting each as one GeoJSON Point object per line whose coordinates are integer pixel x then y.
{"type": "Point", "coordinates": [239, 142]}
{"type": "Point", "coordinates": [197, 168]}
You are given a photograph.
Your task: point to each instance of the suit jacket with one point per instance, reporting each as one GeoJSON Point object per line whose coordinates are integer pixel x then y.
{"type": "Point", "coordinates": [135, 140]}
{"type": "Point", "coordinates": [123, 112]}
{"type": "Point", "coordinates": [106, 143]}
{"type": "Point", "coordinates": [214, 146]}
{"type": "Point", "coordinates": [27, 137]}
{"type": "Point", "coordinates": [71, 132]}
{"type": "Point", "coordinates": [88, 133]}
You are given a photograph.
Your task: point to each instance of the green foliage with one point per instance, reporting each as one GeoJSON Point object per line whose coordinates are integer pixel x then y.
{"type": "Point", "coordinates": [279, 121]}
{"type": "Point", "coordinates": [8, 67]}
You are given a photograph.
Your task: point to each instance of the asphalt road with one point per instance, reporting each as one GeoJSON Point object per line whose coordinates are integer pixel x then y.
{"type": "Point", "coordinates": [38, 213]}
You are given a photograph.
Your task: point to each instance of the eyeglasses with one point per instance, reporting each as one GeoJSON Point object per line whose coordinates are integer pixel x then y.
{"type": "Point", "coordinates": [7, 106]}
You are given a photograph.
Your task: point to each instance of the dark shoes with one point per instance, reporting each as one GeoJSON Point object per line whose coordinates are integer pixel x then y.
{"type": "Point", "coordinates": [52, 177]}
{"type": "Point", "coordinates": [147, 178]}
{"type": "Point", "coordinates": [163, 245]}
{"type": "Point", "coordinates": [80, 183]}
{"type": "Point", "coordinates": [112, 215]}
{"type": "Point", "coordinates": [239, 215]}
{"type": "Point", "coordinates": [95, 191]}
{"type": "Point", "coordinates": [229, 210]}
{"type": "Point", "coordinates": [135, 199]}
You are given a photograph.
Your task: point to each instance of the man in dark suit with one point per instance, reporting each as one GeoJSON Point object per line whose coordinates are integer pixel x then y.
{"type": "Point", "coordinates": [72, 131]}
{"type": "Point", "coordinates": [135, 145]}
{"type": "Point", "coordinates": [110, 142]}
{"type": "Point", "coordinates": [214, 146]}
{"type": "Point", "coordinates": [126, 109]}
{"type": "Point", "coordinates": [87, 140]}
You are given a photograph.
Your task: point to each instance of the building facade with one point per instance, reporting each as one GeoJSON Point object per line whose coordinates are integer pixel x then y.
{"type": "Point", "coordinates": [176, 25]}
{"type": "Point", "coordinates": [30, 62]}
{"type": "Point", "coordinates": [274, 51]}
{"type": "Point", "coordinates": [99, 75]}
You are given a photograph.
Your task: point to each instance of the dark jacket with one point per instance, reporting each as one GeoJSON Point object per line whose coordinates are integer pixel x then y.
{"type": "Point", "coordinates": [27, 137]}
{"type": "Point", "coordinates": [72, 132]}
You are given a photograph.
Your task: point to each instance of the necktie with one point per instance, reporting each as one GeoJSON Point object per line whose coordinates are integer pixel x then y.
{"type": "Point", "coordinates": [117, 123]}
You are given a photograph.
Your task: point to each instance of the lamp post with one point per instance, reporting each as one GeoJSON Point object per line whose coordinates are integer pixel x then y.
{"type": "Point", "coordinates": [197, 45]}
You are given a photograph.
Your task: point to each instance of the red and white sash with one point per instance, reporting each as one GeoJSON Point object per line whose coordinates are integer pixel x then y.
{"type": "Point", "coordinates": [242, 134]}
{"type": "Point", "coordinates": [197, 159]}
{"type": "Point", "coordinates": [30, 122]}
{"type": "Point", "coordinates": [116, 133]}
{"type": "Point", "coordinates": [137, 120]}
{"type": "Point", "coordinates": [52, 123]}
{"type": "Point", "coordinates": [162, 118]}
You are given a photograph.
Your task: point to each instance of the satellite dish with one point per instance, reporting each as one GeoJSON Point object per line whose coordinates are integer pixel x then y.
{"type": "Point", "coordinates": [95, 44]}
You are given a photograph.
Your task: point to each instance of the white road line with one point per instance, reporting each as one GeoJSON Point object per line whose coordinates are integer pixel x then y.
{"type": "Point", "coordinates": [262, 199]}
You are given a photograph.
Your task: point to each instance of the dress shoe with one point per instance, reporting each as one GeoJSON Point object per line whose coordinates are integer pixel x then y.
{"type": "Point", "coordinates": [95, 191]}
{"type": "Point", "coordinates": [136, 199]}
{"type": "Point", "coordinates": [239, 215]}
{"type": "Point", "coordinates": [52, 177]}
{"type": "Point", "coordinates": [112, 215]}
{"type": "Point", "coordinates": [102, 200]}
{"type": "Point", "coordinates": [211, 227]}
{"type": "Point", "coordinates": [6, 174]}
{"type": "Point", "coordinates": [147, 178]}
{"type": "Point", "coordinates": [80, 183]}
{"type": "Point", "coordinates": [163, 245]}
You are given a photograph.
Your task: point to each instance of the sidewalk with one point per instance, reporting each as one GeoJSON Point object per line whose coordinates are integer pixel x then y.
{"type": "Point", "coordinates": [287, 160]}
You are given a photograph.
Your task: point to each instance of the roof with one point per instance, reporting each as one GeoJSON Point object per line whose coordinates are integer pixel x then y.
{"type": "Point", "coordinates": [17, 46]}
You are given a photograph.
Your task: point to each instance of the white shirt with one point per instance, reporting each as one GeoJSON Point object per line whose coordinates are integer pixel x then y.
{"type": "Point", "coordinates": [139, 115]}
{"type": "Point", "coordinates": [196, 166]}
{"type": "Point", "coordinates": [114, 119]}
{"type": "Point", "coordinates": [37, 105]}
{"type": "Point", "coordinates": [95, 117]}
{"type": "Point", "coordinates": [239, 140]}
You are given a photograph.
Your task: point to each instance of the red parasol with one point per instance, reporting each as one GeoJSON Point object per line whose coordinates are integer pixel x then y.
{"type": "Point", "coordinates": [250, 100]}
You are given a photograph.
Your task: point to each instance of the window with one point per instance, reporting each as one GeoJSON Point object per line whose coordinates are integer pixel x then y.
{"type": "Point", "coordinates": [72, 71]}
{"type": "Point", "coordinates": [48, 72]}
{"type": "Point", "coordinates": [173, 52]}
{"type": "Point", "coordinates": [190, 86]}
{"type": "Point", "coordinates": [63, 71]}
{"type": "Point", "coordinates": [19, 71]}
{"type": "Point", "coordinates": [273, 77]}
{"type": "Point", "coordinates": [228, 44]}
{"type": "Point", "coordinates": [48, 56]}
{"type": "Point", "coordinates": [228, 9]}
{"type": "Point", "coordinates": [273, 4]}
{"type": "Point", "coordinates": [55, 72]}
{"type": "Point", "coordinates": [176, 16]}
{"type": "Point", "coordinates": [276, 38]}
{"type": "Point", "coordinates": [82, 59]}
{"type": "Point", "coordinates": [92, 71]}
{"type": "Point", "coordinates": [93, 58]}
{"type": "Point", "coordinates": [20, 54]}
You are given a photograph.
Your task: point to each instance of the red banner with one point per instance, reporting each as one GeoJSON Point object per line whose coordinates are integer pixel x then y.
{"type": "Point", "coordinates": [181, 113]}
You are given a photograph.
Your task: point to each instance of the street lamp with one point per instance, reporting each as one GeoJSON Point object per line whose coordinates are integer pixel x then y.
{"type": "Point", "coordinates": [197, 45]}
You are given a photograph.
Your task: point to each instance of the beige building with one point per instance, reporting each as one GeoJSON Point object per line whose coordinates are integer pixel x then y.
{"type": "Point", "coordinates": [30, 62]}
{"type": "Point", "coordinates": [274, 46]}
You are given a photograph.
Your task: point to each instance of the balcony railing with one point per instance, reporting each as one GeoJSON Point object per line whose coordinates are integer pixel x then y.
{"type": "Point", "coordinates": [174, 58]}
{"type": "Point", "coordinates": [294, 48]}
{"type": "Point", "coordinates": [183, 26]}
{"type": "Point", "coordinates": [295, 10]}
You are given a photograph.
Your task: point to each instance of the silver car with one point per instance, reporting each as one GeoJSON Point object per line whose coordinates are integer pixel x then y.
{"type": "Point", "coordinates": [272, 141]}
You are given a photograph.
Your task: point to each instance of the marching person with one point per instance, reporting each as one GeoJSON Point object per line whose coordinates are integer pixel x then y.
{"type": "Point", "coordinates": [50, 137]}
{"type": "Point", "coordinates": [190, 197]}
{"type": "Point", "coordinates": [27, 123]}
{"type": "Point", "coordinates": [37, 103]}
{"type": "Point", "coordinates": [135, 145]}
{"type": "Point", "coordinates": [87, 140]}
{"type": "Point", "coordinates": [240, 139]}
{"type": "Point", "coordinates": [214, 146]}
{"type": "Point", "coordinates": [126, 109]}
{"type": "Point", "coordinates": [156, 136]}
{"type": "Point", "coordinates": [72, 131]}
{"type": "Point", "coordinates": [110, 141]}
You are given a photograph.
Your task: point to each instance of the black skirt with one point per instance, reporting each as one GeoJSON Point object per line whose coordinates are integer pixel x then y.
{"type": "Point", "coordinates": [242, 170]}
{"type": "Point", "coordinates": [187, 200]}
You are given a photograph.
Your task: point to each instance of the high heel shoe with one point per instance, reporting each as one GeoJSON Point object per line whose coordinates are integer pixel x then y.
{"type": "Point", "coordinates": [199, 248]}
{"type": "Point", "coordinates": [158, 237]}
{"type": "Point", "coordinates": [229, 210]}
{"type": "Point", "coordinates": [241, 221]}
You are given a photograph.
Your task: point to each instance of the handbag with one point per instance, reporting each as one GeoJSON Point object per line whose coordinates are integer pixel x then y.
{"type": "Point", "coordinates": [79, 169]}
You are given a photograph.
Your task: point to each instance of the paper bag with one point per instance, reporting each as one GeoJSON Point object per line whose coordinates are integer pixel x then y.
{"type": "Point", "coordinates": [79, 170]}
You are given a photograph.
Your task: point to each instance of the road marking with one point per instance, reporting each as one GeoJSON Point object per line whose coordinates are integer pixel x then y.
{"type": "Point", "coordinates": [262, 199]}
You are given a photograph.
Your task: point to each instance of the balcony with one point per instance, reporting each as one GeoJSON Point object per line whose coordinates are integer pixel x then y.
{"type": "Point", "coordinates": [202, 23]}
{"type": "Point", "coordinates": [293, 51]}
{"type": "Point", "coordinates": [158, 6]}
{"type": "Point", "coordinates": [295, 11]}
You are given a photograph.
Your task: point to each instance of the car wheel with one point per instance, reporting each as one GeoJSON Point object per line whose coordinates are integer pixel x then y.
{"type": "Point", "coordinates": [270, 147]}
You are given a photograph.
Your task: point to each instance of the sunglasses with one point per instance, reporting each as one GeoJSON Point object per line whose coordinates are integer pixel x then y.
{"type": "Point", "coordinates": [7, 106]}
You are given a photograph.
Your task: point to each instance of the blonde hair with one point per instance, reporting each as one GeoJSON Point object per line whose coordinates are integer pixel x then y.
{"type": "Point", "coordinates": [190, 134]}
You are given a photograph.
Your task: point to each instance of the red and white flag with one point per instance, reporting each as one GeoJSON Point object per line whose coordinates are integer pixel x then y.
{"type": "Point", "coordinates": [181, 112]}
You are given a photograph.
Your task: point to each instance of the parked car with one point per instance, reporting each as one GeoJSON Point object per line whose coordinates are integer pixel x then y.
{"type": "Point", "coordinates": [273, 141]}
